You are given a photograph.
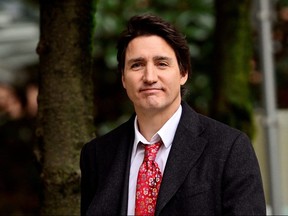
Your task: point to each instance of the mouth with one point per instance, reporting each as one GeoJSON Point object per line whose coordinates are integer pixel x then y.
{"type": "Point", "coordinates": [150, 90]}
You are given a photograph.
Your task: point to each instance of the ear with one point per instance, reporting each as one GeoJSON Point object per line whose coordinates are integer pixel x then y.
{"type": "Point", "coordinates": [184, 79]}
{"type": "Point", "coordinates": [123, 81]}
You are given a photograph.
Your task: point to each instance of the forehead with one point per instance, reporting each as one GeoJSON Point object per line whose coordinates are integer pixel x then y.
{"type": "Point", "coordinates": [149, 46]}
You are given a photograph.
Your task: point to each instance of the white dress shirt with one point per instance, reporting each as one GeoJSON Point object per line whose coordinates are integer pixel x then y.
{"type": "Point", "coordinates": [166, 134]}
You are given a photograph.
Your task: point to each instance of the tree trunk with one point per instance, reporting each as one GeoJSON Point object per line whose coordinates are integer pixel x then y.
{"type": "Point", "coordinates": [65, 99]}
{"type": "Point", "coordinates": [232, 101]}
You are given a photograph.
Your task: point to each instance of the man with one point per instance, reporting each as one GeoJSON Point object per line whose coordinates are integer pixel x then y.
{"type": "Point", "coordinates": [202, 167]}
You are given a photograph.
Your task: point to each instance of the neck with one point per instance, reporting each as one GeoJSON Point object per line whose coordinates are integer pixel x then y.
{"type": "Point", "coordinates": [149, 123]}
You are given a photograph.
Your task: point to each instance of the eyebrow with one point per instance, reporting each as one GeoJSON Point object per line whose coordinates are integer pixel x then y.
{"type": "Point", "coordinates": [161, 58]}
{"type": "Point", "coordinates": [155, 58]}
{"type": "Point", "coordinates": [133, 60]}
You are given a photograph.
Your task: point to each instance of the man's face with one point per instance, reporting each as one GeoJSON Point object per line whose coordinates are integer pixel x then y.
{"type": "Point", "coordinates": [151, 75]}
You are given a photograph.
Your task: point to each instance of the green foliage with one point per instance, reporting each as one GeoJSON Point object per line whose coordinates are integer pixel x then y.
{"type": "Point", "coordinates": [283, 3]}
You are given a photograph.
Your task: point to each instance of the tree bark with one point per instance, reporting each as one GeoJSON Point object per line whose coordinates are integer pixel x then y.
{"type": "Point", "coordinates": [232, 102]}
{"type": "Point", "coordinates": [65, 119]}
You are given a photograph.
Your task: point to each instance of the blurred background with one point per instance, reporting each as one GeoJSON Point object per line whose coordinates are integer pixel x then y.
{"type": "Point", "coordinates": [202, 21]}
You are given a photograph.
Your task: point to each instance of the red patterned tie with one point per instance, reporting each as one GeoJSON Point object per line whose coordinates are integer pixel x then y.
{"type": "Point", "coordinates": [148, 182]}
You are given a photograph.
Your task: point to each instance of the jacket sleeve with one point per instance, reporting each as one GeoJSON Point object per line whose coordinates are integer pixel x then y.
{"type": "Point", "coordinates": [242, 184]}
{"type": "Point", "coordinates": [88, 183]}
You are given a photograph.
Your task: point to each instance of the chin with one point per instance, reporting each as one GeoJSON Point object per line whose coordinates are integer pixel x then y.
{"type": "Point", "coordinates": [155, 106]}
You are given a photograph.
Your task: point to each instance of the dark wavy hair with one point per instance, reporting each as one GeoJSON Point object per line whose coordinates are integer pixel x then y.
{"type": "Point", "coordinates": [147, 25]}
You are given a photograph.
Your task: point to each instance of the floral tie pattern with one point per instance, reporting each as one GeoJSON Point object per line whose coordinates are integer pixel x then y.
{"type": "Point", "coordinates": [148, 182]}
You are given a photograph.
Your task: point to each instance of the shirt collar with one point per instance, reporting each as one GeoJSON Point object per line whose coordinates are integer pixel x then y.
{"type": "Point", "coordinates": [168, 130]}
{"type": "Point", "coordinates": [166, 133]}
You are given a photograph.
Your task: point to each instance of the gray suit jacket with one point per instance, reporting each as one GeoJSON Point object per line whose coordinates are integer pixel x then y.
{"type": "Point", "coordinates": [211, 170]}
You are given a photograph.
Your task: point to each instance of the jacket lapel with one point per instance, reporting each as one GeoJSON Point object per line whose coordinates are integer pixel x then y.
{"type": "Point", "coordinates": [187, 147]}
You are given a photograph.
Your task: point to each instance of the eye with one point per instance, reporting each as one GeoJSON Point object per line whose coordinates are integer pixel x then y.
{"type": "Point", "coordinates": [136, 66]}
{"type": "Point", "coordinates": [162, 64]}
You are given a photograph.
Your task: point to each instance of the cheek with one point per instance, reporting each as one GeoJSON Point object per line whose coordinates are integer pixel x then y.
{"type": "Point", "coordinates": [128, 86]}
{"type": "Point", "coordinates": [174, 81]}
{"type": "Point", "coordinates": [130, 81]}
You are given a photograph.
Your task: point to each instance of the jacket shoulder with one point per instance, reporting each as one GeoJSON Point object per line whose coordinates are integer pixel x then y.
{"type": "Point", "coordinates": [122, 131]}
{"type": "Point", "coordinates": [205, 126]}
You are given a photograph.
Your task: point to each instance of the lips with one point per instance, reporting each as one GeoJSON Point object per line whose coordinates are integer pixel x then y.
{"type": "Point", "coordinates": [150, 90]}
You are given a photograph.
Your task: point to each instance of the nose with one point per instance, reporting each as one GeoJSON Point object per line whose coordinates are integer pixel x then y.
{"type": "Point", "coordinates": [150, 75]}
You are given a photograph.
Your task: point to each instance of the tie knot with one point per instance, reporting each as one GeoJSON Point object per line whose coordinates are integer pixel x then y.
{"type": "Point", "coordinates": [151, 151]}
